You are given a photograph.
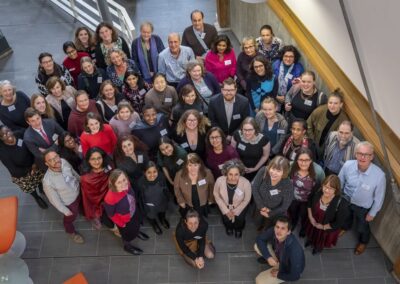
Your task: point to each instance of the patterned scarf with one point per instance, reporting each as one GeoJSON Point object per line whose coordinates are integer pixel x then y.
{"type": "Point", "coordinates": [289, 144]}
{"type": "Point", "coordinates": [283, 79]}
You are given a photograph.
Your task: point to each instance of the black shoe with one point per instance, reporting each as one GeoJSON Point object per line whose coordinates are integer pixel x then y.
{"type": "Point", "coordinates": [307, 243]}
{"type": "Point", "coordinates": [316, 251]}
{"type": "Point", "coordinates": [133, 250]}
{"type": "Point", "coordinates": [42, 204]}
{"type": "Point", "coordinates": [164, 222]}
{"type": "Point", "coordinates": [143, 236]}
{"type": "Point", "coordinates": [229, 232]}
{"type": "Point", "coordinates": [156, 227]}
{"type": "Point", "coordinates": [261, 260]}
{"type": "Point", "coordinates": [238, 234]}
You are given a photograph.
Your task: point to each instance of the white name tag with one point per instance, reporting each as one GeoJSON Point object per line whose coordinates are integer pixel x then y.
{"type": "Point", "coordinates": [241, 147]}
{"type": "Point", "coordinates": [179, 162]}
{"type": "Point", "coordinates": [150, 204]}
{"type": "Point", "coordinates": [236, 116]}
{"type": "Point", "coordinates": [228, 62]}
{"type": "Point", "coordinates": [365, 186]}
{"type": "Point", "coordinates": [72, 69]}
{"type": "Point", "coordinates": [203, 35]}
{"type": "Point", "coordinates": [132, 124]}
{"type": "Point", "coordinates": [11, 108]}
{"type": "Point", "coordinates": [202, 182]}
{"type": "Point", "coordinates": [203, 89]}
{"type": "Point", "coordinates": [239, 192]}
{"type": "Point", "coordinates": [289, 76]}
{"type": "Point", "coordinates": [280, 131]}
{"type": "Point", "coordinates": [99, 80]}
{"type": "Point", "coordinates": [70, 100]}
{"type": "Point", "coordinates": [19, 142]}
{"type": "Point", "coordinates": [140, 159]}
{"type": "Point", "coordinates": [308, 102]}
{"type": "Point", "coordinates": [293, 156]}
{"type": "Point", "coordinates": [185, 145]}
{"type": "Point", "coordinates": [168, 100]}
{"type": "Point", "coordinates": [220, 166]}
{"type": "Point", "coordinates": [197, 237]}
{"type": "Point", "coordinates": [55, 136]}
{"type": "Point", "coordinates": [163, 132]}
{"type": "Point", "coordinates": [273, 192]}
{"type": "Point", "coordinates": [106, 170]}
{"type": "Point", "coordinates": [142, 92]}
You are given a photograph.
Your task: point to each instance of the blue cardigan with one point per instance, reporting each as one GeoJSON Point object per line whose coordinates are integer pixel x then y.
{"type": "Point", "coordinates": [297, 70]}
{"type": "Point", "coordinates": [291, 261]}
{"type": "Point", "coordinates": [209, 80]}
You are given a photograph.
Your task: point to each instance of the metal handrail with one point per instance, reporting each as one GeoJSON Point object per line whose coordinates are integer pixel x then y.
{"type": "Point", "coordinates": [87, 12]}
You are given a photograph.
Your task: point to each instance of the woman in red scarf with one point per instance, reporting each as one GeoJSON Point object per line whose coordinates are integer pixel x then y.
{"type": "Point", "coordinates": [120, 205]}
{"type": "Point", "coordinates": [94, 185]}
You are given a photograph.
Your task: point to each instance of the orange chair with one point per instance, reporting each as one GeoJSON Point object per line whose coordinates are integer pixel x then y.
{"type": "Point", "coordinates": [77, 279]}
{"type": "Point", "coordinates": [8, 221]}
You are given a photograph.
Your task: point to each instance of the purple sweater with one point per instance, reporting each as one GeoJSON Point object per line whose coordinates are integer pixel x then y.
{"type": "Point", "coordinates": [215, 161]}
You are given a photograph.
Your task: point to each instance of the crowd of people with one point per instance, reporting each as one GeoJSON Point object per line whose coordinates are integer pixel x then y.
{"type": "Point", "coordinates": [123, 132]}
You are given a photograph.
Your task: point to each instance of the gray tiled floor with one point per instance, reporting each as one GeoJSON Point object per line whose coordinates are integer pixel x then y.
{"type": "Point", "coordinates": [33, 26]}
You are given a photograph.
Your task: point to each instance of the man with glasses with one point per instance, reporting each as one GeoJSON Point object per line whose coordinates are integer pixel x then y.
{"type": "Point", "coordinates": [363, 185]}
{"type": "Point", "coordinates": [61, 185]}
{"type": "Point", "coordinates": [227, 110]}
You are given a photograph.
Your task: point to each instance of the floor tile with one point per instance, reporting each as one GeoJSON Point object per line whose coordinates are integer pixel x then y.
{"type": "Point", "coordinates": [225, 243]}
{"type": "Point", "coordinates": [180, 271]}
{"type": "Point", "coordinates": [370, 264]}
{"type": "Point", "coordinates": [153, 269]}
{"type": "Point", "coordinates": [33, 244]}
{"type": "Point", "coordinates": [244, 267]}
{"type": "Point", "coordinates": [63, 269]}
{"type": "Point", "coordinates": [123, 269]}
{"type": "Point", "coordinates": [362, 281]}
{"type": "Point", "coordinates": [39, 269]}
{"type": "Point", "coordinates": [89, 248]}
{"type": "Point", "coordinates": [55, 244]}
{"type": "Point", "coordinates": [109, 244]}
{"type": "Point", "coordinates": [95, 269]}
{"type": "Point", "coordinates": [337, 264]}
{"type": "Point", "coordinates": [313, 268]}
{"type": "Point", "coordinates": [216, 270]}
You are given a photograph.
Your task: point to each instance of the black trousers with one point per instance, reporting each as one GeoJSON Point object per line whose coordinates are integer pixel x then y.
{"type": "Point", "coordinates": [296, 211]}
{"type": "Point", "coordinates": [363, 228]}
{"type": "Point", "coordinates": [238, 224]}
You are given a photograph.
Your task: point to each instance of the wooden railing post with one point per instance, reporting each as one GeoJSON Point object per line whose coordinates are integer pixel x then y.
{"type": "Point", "coordinates": [223, 9]}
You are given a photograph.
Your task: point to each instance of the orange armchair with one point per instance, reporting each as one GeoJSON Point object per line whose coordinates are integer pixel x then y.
{"type": "Point", "coordinates": [8, 221]}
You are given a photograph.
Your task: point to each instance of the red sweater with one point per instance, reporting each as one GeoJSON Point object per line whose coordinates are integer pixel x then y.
{"type": "Point", "coordinates": [74, 66]}
{"type": "Point", "coordinates": [104, 139]}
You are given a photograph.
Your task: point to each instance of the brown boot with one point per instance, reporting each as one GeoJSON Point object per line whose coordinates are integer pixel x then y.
{"type": "Point", "coordinates": [360, 248]}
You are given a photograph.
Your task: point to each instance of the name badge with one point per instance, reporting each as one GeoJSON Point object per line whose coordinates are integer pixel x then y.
{"type": "Point", "coordinates": [239, 192]}
{"type": "Point", "coordinates": [163, 132]}
{"type": "Point", "coordinates": [236, 116]}
{"type": "Point", "coordinates": [11, 108]}
{"type": "Point", "coordinates": [142, 92]}
{"type": "Point", "coordinates": [132, 124]}
{"type": "Point", "coordinates": [280, 131]}
{"type": "Point", "coordinates": [19, 142]}
{"type": "Point", "coordinates": [99, 80]}
{"type": "Point", "coordinates": [185, 145]}
{"type": "Point", "coordinates": [220, 166]}
{"type": "Point", "coordinates": [202, 182]}
{"type": "Point", "coordinates": [55, 136]}
{"type": "Point", "coordinates": [241, 147]}
{"type": "Point", "coordinates": [203, 35]}
{"type": "Point", "coordinates": [70, 100]}
{"type": "Point", "coordinates": [72, 69]}
{"type": "Point", "coordinates": [289, 76]}
{"type": "Point", "coordinates": [140, 159]}
{"type": "Point", "coordinates": [197, 237]}
{"type": "Point", "coordinates": [293, 156]}
{"type": "Point", "coordinates": [228, 62]}
{"type": "Point", "coordinates": [308, 102]}
{"type": "Point", "coordinates": [365, 186]}
{"type": "Point", "coordinates": [273, 192]}
{"type": "Point", "coordinates": [179, 162]}
{"type": "Point", "coordinates": [106, 170]}
{"type": "Point", "coordinates": [203, 89]}
{"type": "Point", "coordinates": [168, 100]}
{"type": "Point", "coordinates": [150, 204]}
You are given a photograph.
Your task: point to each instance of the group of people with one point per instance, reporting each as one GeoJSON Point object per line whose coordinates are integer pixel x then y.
{"type": "Point", "coordinates": [123, 132]}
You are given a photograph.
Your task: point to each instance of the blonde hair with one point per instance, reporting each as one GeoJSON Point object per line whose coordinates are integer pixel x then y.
{"type": "Point", "coordinates": [202, 122]}
{"type": "Point", "coordinates": [49, 112]}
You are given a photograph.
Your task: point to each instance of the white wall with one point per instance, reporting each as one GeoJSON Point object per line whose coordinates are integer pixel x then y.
{"type": "Point", "coordinates": [376, 28]}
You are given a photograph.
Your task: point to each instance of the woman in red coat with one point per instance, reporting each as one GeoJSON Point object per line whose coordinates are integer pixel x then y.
{"type": "Point", "coordinates": [97, 134]}
{"type": "Point", "coordinates": [94, 186]}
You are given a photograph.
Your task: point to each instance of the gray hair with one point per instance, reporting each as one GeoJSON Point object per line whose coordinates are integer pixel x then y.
{"type": "Point", "coordinates": [232, 164]}
{"type": "Point", "coordinates": [5, 83]}
{"type": "Point", "coordinates": [365, 143]}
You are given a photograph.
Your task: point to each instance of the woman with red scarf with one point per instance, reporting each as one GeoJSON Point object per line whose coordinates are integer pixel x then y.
{"type": "Point", "coordinates": [94, 185]}
{"type": "Point", "coordinates": [120, 205]}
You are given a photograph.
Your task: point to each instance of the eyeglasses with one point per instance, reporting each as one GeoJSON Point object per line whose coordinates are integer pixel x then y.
{"type": "Point", "coordinates": [47, 62]}
{"type": "Point", "coordinates": [288, 56]}
{"type": "Point", "coordinates": [258, 66]}
{"type": "Point", "coordinates": [248, 47]}
{"type": "Point", "coordinates": [304, 160]}
{"type": "Point", "coordinates": [248, 130]}
{"type": "Point", "coordinates": [191, 120]}
{"type": "Point", "coordinates": [215, 137]}
{"type": "Point", "coordinates": [363, 155]}
{"type": "Point", "coordinates": [96, 159]}
{"type": "Point", "coordinates": [71, 52]}
{"type": "Point", "coordinates": [228, 90]}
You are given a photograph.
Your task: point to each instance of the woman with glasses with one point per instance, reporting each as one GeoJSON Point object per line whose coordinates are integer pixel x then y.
{"type": "Point", "coordinates": [218, 151]}
{"type": "Point", "coordinates": [252, 146]}
{"type": "Point", "coordinates": [73, 60]}
{"type": "Point", "coordinates": [249, 51]}
{"type": "Point", "coordinates": [189, 99]}
{"type": "Point", "coordinates": [91, 77]}
{"type": "Point", "coordinates": [306, 177]}
{"type": "Point", "coordinates": [327, 212]}
{"type": "Point", "coordinates": [193, 186]}
{"type": "Point", "coordinates": [118, 64]}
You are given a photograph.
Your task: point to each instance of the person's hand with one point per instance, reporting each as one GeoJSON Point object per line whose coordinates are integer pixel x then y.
{"type": "Point", "coordinates": [296, 81]}
{"type": "Point", "coordinates": [199, 262]}
{"type": "Point", "coordinates": [264, 213]}
{"type": "Point", "coordinates": [312, 221]}
{"type": "Point", "coordinates": [280, 99]}
{"type": "Point", "coordinates": [69, 213]}
{"type": "Point", "coordinates": [369, 218]}
{"type": "Point", "coordinates": [183, 205]}
{"type": "Point", "coordinates": [249, 170]}
{"type": "Point", "coordinates": [319, 226]}
{"type": "Point", "coordinates": [274, 272]}
{"type": "Point", "coordinates": [288, 106]}
{"type": "Point", "coordinates": [230, 215]}
{"type": "Point", "coordinates": [42, 149]}
{"type": "Point", "coordinates": [272, 261]}
{"type": "Point", "coordinates": [228, 139]}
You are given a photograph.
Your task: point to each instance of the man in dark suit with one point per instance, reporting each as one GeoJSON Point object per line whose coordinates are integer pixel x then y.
{"type": "Point", "coordinates": [41, 135]}
{"type": "Point", "coordinates": [200, 35]}
{"type": "Point", "coordinates": [227, 110]}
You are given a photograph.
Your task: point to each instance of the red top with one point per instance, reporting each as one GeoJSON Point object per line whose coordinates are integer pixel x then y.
{"type": "Point", "coordinates": [74, 66]}
{"type": "Point", "coordinates": [104, 139]}
{"type": "Point", "coordinates": [221, 69]}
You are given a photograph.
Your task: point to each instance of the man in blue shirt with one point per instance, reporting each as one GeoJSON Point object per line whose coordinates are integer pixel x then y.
{"type": "Point", "coordinates": [364, 186]}
{"type": "Point", "coordinates": [172, 60]}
